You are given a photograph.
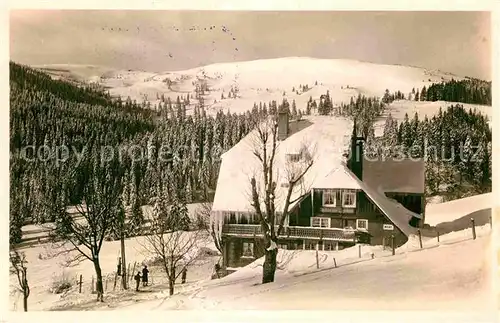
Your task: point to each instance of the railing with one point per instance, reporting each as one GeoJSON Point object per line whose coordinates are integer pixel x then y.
{"type": "Point", "coordinates": [250, 230]}
{"type": "Point", "coordinates": [332, 209]}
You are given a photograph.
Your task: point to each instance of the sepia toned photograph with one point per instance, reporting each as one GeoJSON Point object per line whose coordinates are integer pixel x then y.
{"type": "Point", "coordinates": [250, 160]}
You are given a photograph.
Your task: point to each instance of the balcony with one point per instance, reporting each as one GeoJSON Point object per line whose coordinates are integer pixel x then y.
{"type": "Point", "coordinates": [310, 233]}
{"type": "Point", "coordinates": [333, 209]}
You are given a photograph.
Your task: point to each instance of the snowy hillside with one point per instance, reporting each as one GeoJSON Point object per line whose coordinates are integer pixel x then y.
{"type": "Point", "coordinates": [454, 210]}
{"type": "Point", "coordinates": [399, 108]}
{"type": "Point", "coordinates": [47, 265]}
{"type": "Point", "coordinates": [438, 278]}
{"type": "Point", "coordinates": [454, 275]}
{"type": "Point", "coordinates": [262, 80]}
{"type": "Point", "coordinates": [452, 272]}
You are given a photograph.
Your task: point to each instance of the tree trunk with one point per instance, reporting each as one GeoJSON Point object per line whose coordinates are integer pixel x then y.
{"type": "Point", "coordinates": [171, 283]}
{"type": "Point", "coordinates": [269, 267]}
{"type": "Point", "coordinates": [171, 280]}
{"type": "Point", "coordinates": [26, 289]}
{"type": "Point", "coordinates": [25, 302]}
{"type": "Point", "coordinates": [124, 263]}
{"type": "Point", "coordinates": [99, 287]}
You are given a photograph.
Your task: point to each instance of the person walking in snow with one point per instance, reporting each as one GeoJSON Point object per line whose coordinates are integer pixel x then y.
{"type": "Point", "coordinates": [137, 280]}
{"type": "Point", "coordinates": [119, 267]}
{"type": "Point", "coordinates": [184, 273]}
{"type": "Point", "coordinates": [145, 273]}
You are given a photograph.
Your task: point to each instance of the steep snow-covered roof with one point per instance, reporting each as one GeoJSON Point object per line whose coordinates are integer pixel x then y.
{"type": "Point", "coordinates": [338, 178]}
{"type": "Point", "coordinates": [394, 211]}
{"type": "Point", "coordinates": [325, 137]}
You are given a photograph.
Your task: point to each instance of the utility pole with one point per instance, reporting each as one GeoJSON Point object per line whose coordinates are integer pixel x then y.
{"type": "Point", "coordinates": [124, 263]}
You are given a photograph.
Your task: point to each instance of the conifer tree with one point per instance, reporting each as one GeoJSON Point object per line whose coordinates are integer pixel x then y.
{"type": "Point", "coordinates": [294, 109]}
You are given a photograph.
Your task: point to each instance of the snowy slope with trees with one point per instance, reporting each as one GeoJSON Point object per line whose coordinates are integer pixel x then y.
{"type": "Point", "coordinates": [237, 86]}
{"type": "Point", "coordinates": [195, 118]}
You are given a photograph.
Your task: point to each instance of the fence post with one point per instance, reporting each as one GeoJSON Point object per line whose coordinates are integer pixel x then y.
{"type": "Point", "coordinates": [128, 272]}
{"type": "Point", "coordinates": [106, 284]}
{"type": "Point", "coordinates": [92, 284]}
{"type": "Point", "coordinates": [473, 228]}
{"type": "Point", "coordinates": [317, 258]}
{"type": "Point", "coordinates": [80, 285]}
{"type": "Point", "coordinates": [438, 236]}
{"type": "Point", "coordinates": [393, 245]}
{"type": "Point", "coordinates": [420, 238]}
{"type": "Point", "coordinates": [359, 251]}
{"type": "Point", "coordinates": [151, 279]}
{"type": "Point", "coordinates": [114, 283]}
{"type": "Point", "coordinates": [491, 222]}
{"type": "Point", "coordinates": [133, 271]}
{"type": "Point", "coordinates": [335, 262]}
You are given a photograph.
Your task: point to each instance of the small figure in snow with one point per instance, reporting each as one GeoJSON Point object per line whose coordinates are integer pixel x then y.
{"type": "Point", "coordinates": [119, 267]}
{"type": "Point", "coordinates": [217, 269]}
{"type": "Point", "coordinates": [137, 280]}
{"type": "Point", "coordinates": [184, 273]}
{"type": "Point", "coordinates": [145, 273]}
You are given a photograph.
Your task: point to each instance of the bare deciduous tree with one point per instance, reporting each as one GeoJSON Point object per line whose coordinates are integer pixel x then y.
{"type": "Point", "coordinates": [169, 241]}
{"type": "Point", "coordinates": [264, 189]}
{"type": "Point", "coordinates": [203, 222]}
{"type": "Point", "coordinates": [19, 267]}
{"type": "Point", "coordinates": [101, 204]}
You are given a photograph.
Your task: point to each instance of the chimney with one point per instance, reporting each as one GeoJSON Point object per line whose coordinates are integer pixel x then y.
{"type": "Point", "coordinates": [356, 158]}
{"type": "Point", "coordinates": [283, 125]}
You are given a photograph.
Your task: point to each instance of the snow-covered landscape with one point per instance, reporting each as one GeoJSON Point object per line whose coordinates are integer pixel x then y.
{"type": "Point", "coordinates": [343, 78]}
{"type": "Point", "coordinates": [454, 272]}
{"type": "Point", "coordinates": [199, 182]}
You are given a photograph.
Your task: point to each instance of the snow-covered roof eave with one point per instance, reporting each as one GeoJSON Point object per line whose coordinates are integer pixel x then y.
{"type": "Point", "coordinates": [239, 164]}
{"type": "Point", "coordinates": [395, 212]}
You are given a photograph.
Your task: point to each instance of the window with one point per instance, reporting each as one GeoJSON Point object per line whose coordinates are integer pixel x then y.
{"type": "Point", "coordinates": [320, 222]}
{"type": "Point", "coordinates": [349, 198]}
{"type": "Point", "coordinates": [309, 245]}
{"type": "Point", "coordinates": [362, 224]}
{"type": "Point", "coordinates": [329, 245]}
{"type": "Point", "coordinates": [330, 197]}
{"type": "Point", "coordinates": [283, 246]}
{"type": "Point", "coordinates": [248, 249]}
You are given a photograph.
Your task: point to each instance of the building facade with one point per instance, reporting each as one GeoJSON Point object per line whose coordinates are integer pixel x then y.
{"type": "Point", "coordinates": [356, 201]}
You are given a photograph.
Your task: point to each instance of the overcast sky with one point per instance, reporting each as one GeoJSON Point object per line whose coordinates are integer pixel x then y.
{"type": "Point", "coordinates": [456, 42]}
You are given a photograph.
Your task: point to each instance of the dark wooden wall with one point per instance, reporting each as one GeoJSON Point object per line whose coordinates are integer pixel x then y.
{"type": "Point", "coordinates": [365, 209]}
{"type": "Point", "coordinates": [412, 202]}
